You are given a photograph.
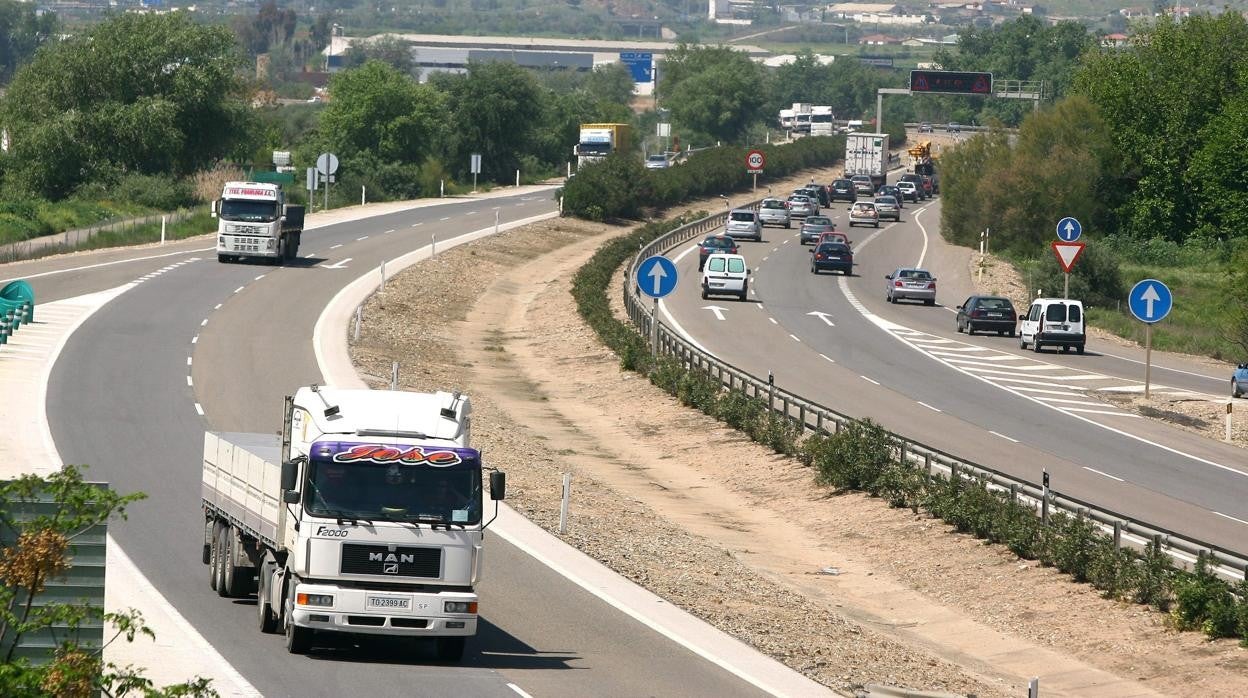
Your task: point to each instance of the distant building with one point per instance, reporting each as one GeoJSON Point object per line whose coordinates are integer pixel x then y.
{"type": "Point", "coordinates": [878, 40]}
{"type": "Point", "coordinates": [1134, 12]}
{"type": "Point", "coordinates": [873, 13]}
{"type": "Point", "coordinates": [1115, 40]}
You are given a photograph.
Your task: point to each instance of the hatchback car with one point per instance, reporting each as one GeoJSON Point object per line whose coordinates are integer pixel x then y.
{"type": "Point", "coordinates": [893, 191]}
{"type": "Point", "coordinates": [864, 213]}
{"type": "Point", "coordinates": [991, 313]}
{"type": "Point", "coordinates": [1239, 381]}
{"type": "Point", "coordinates": [953, 127]}
{"type": "Point", "coordinates": [863, 186]}
{"type": "Point", "coordinates": [715, 244]}
{"type": "Point", "coordinates": [916, 180]}
{"type": "Point", "coordinates": [744, 223]}
{"type": "Point", "coordinates": [843, 190]}
{"type": "Point", "coordinates": [658, 161]}
{"type": "Point", "coordinates": [774, 212]}
{"type": "Point", "coordinates": [725, 275]}
{"type": "Point", "coordinates": [925, 127]}
{"type": "Point", "coordinates": [833, 256]}
{"type": "Point", "coordinates": [834, 236]}
{"type": "Point", "coordinates": [1053, 322]}
{"type": "Point", "coordinates": [911, 283]}
{"type": "Point", "coordinates": [801, 206]}
{"type": "Point", "coordinates": [909, 191]}
{"type": "Point", "coordinates": [888, 207]}
{"type": "Point", "coordinates": [814, 226]}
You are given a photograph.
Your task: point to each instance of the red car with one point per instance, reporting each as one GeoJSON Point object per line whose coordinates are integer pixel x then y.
{"type": "Point", "coordinates": [715, 244]}
{"type": "Point", "coordinates": [927, 185]}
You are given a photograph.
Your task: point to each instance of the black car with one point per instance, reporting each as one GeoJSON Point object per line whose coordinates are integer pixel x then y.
{"type": "Point", "coordinates": [843, 190]}
{"type": "Point", "coordinates": [836, 256]}
{"type": "Point", "coordinates": [715, 244]}
{"type": "Point", "coordinates": [893, 191]}
{"type": "Point", "coordinates": [987, 313]}
{"type": "Point", "coordinates": [817, 192]}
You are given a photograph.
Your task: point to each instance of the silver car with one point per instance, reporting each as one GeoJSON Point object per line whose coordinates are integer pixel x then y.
{"type": "Point", "coordinates": [863, 186]}
{"type": "Point", "coordinates": [887, 207]}
{"type": "Point", "coordinates": [658, 161]}
{"type": "Point", "coordinates": [814, 226]}
{"type": "Point", "coordinates": [744, 223]}
{"type": "Point", "coordinates": [774, 212]}
{"type": "Point", "coordinates": [864, 213]}
{"type": "Point", "coordinates": [802, 206]}
{"type": "Point", "coordinates": [908, 282]}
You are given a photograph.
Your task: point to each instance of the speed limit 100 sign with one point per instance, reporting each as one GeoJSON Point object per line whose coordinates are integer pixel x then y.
{"type": "Point", "coordinates": [755, 160]}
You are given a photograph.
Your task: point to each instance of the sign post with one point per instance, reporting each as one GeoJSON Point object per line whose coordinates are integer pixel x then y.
{"type": "Point", "coordinates": [1068, 231]}
{"type": "Point", "coordinates": [327, 165]}
{"type": "Point", "coordinates": [656, 277]}
{"type": "Point", "coordinates": [1150, 301]}
{"type": "Point", "coordinates": [475, 166]}
{"type": "Point", "coordinates": [755, 160]}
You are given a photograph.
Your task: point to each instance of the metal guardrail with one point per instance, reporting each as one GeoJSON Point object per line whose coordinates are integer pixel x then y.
{"type": "Point", "coordinates": [814, 417]}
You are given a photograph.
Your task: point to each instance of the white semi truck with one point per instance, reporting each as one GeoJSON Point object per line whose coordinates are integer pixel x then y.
{"type": "Point", "coordinates": [821, 121]}
{"type": "Point", "coordinates": [801, 117]}
{"type": "Point", "coordinates": [867, 154]}
{"type": "Point", "coordinates": [254, 220]}
{"type": "Point", "coordinates": [364, 517]}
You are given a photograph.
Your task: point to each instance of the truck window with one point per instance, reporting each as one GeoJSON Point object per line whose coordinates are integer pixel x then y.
{"type": "Point", "coordinates": [394, 491]}
{"type": "Point", "coordinates": [248, 211]}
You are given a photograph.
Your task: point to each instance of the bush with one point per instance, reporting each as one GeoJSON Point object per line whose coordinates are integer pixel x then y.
{"type": "Point", "coordinates": [206, 185]}
{"type": "Point", "coordinates": [1204, 602]}
{"type": "Point", "coordinates": [855, 456]}
{"type": "Point", "coordinates": [739, 411]}
{"type": "Point", "coordinates": [154, 191]}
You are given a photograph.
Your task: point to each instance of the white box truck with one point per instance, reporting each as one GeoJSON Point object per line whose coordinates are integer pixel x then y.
{"type": "Point", "coordinates": [364, 517]}
{"type": "Point", "coordinates": [254, 220]}
{"type": "Point", "coordinates": [821, 121]}
{"type": "Point", "coordinates": [867, 153]}
{"type": "Point", "coordinates": [801, 117]}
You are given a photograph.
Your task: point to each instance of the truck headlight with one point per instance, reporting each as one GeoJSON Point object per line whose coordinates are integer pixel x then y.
{"type": "Point", "coordinates": [325, 600]}
{"type": "Point", "coordinates": [460, 607]}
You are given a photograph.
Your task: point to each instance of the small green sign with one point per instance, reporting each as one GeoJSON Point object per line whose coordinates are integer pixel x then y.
{"type": "Point", "coordinates": [270, 177]}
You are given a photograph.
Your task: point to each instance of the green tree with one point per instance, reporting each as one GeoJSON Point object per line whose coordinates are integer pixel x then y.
{"type": "Point", "coordinates": [142, 93]}
{"type": "Point", "coordinates": [22, 32]}
{"type": "Point", "coordinates": [376, 109]}
{"type": "Point", "coordinates": [39, 552]}
{"type": "Point", "coordinates": [1218, 171]}
{"type": "Point", "coordinates": [713, 90]}
{"type": "Point", "coordinates": [496, 110]}
{"type": "Point", "coordinates": [611, 83]}
{"type": "Point", "coordinates": [390, 50]}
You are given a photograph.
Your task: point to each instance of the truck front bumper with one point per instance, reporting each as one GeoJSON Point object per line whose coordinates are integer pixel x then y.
{"type": "Point", "coordinates": [249, 245]}
{"type": "Point", "coordinates": [359, 611]}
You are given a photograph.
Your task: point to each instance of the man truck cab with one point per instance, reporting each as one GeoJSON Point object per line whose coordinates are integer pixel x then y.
{"type": "Point", "coordinates": [1053, 322]}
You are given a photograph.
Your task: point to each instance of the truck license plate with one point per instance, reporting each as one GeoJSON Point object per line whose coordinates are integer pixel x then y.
{"type": "Point", "coordinates": [387, 602]}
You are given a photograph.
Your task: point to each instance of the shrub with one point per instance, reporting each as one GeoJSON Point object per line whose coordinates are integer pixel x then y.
{"type": "Point", "coordinates": [699, 391]}
{"type": "Point", "coordinates": [1154, 581]}
{"type": "Point", "coordinates": [856, 454]}
{"type": "Point", "coordinates": [740, 411]}
{"type": "Point", "coordinates": [154, 191]}
{"type": "Point", "coordinates": [206, 185]}
{"type": "Point", "coordinates": [1203, 602]}
{"type": "Point", "coordinates": [777, 432]}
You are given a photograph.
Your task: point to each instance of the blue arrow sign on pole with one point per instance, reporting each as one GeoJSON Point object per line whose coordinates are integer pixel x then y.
{"type": "Point", "coordinates": [1068, 229]}
{"type": "Point", "coordinates": [656, 276]}
{"type": "Point", "coordinates": [1150, 301]}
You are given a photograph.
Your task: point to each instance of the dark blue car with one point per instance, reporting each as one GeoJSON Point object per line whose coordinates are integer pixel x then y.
{"type": "Point", "coordinates": [834, 256]}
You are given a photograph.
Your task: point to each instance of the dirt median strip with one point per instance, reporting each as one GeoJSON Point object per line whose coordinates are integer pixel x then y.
{"type": "Point", "coordinates": [725, 529]}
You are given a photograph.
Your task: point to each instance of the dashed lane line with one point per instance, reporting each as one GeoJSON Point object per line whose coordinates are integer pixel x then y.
{"type": "Point", "coordinates": [1103, 474]}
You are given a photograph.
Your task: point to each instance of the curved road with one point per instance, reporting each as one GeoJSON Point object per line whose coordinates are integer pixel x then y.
{"type": "Point", "coordinates": [978, 397]}
{"type": "Point", "coordinates": [198, 345]}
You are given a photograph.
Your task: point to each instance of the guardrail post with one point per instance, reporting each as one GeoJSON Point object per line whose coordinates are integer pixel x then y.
{"type": "Point", "coordinates": [927, 464]}
{"type": "Point", "coordinates": [1117, 535]}
{"type": "Point", "coordinates": [819, 420]}
{"type": "Point", "coordinates": [801, 415]}
{"type": "Point", "coordinates": [784, 402]}
{"type": "Point", "coordinates": [1013, 493]}
{"type": "Point", "coordinates": [394, 375]}
{"type": "Point", "coordinates": [953, 472]}
{"type": "Point", "coordinates": [771, 390]}
{"type": "Point", "coordinates": [1044, 499]}
{"type": "Point", "coordinates": [902, 454]}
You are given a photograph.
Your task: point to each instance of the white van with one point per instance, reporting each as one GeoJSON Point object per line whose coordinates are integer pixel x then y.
{"type": "Point", "coordinates": [725, 275]}
{"type": "Point", "coordinates": [1053, 322]}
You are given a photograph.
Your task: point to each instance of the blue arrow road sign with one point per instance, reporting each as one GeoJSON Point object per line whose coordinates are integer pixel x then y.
{"type": "Point", "coordinates": [1068, 229]}
{"type": "Point", "coordinates": [656, 276]}
{"type": "Point", "coordinates": [1150, 301]}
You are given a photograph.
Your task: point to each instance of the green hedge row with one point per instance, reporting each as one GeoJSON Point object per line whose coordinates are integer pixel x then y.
{"type": "Point", "coordinates": [863, 456]}
{"type": "Point", "coordinates": [619, 186]}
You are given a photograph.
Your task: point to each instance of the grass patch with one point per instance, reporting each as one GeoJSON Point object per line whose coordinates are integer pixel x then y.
{"type": "Point", "coordinates": [199, 223]}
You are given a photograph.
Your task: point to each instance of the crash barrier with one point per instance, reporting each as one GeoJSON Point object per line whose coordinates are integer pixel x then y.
{"type": "Point", "coordinates": [17, 307]}
{"type": "Point", "coordinates": [813, 417]}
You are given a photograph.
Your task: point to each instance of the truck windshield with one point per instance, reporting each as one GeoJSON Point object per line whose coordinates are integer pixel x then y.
{"type": "Point", "coordinates": [248, 211]}
{"type": "Point", "coordinates": [394, 491]}
{"type": "Point", "coordinates": [594, 148]}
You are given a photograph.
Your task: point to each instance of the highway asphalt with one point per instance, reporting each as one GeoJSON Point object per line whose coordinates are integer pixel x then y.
{"type": "Point", "coordinates": [126, 397]}
{"type": "Point", "coordinates": [979, 398]}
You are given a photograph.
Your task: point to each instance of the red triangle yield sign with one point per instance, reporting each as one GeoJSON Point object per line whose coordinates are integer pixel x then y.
{"type": "Point", "coordinates": [1067, 253]}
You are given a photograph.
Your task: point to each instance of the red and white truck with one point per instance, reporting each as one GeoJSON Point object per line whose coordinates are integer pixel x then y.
{"type": "Point", "coordinates": [254, 220]}
{"type": "Point", "coordinates": [364, 517]}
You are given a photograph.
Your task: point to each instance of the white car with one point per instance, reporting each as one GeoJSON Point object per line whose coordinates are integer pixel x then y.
{"type": "Point", "coordinates": [909, 190]}
{"type": "Point", "coordinates": [1054, 322]}
{"type": "Point", "coordinates": [658, 161]}
{"type": "Point", "coordinates": [725, 275]}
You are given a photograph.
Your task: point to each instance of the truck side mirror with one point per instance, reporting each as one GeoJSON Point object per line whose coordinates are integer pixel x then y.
{"type": "Point", "coordinates": [213, 208]}
{"type": "Point", "coordinates": [498, 485]}
{"type": "Point", "coordinates": [291, 496]}
{"type": "Point", "coordinates": [290, 475]}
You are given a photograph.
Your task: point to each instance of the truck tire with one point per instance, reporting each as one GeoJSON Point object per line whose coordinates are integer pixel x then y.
{"type": "Point", "coordinates": [224, 258]}
{"type": "Point", "coordinates": [268, 619]}
{"type": "Point", "coordinates": [218, 562]}
{"type": "Point", "coordinates": [451, 649]}
{"type": "Point", "coordinates": [298, 640]}
{"type": "Point", "coordinates": [237, 580]}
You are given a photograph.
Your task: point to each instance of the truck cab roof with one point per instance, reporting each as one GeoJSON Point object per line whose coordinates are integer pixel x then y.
{"type": "Point", "coordinates": [397, 416]}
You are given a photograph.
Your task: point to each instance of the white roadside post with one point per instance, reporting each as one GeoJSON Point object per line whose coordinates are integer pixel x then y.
{"type": "Point", "coordinates": [363, 189]}
{"type": "Point", "coordinates": [496, 221]}
{"type": "Point", "coordinates": [163, 221]}
{"type": "Point", "coordinates": [563, 503]}
{"type": "Point", "coordinates": [433, 246]}
{"type": "Point", "coordinates": [394, 375]}
{"type": "Point", "coordinates": [1230, 406]}
{"type": "Point", "coordinates": [355, 333]}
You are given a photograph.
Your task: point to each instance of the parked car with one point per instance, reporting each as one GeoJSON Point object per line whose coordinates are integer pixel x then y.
{"type": "Point", "coordinates": [863, 186]}
{"type": "Point", "coordinates": [911, 283]}
{"type": "Point", "coordinates": [909, 191]}
{"type": "Point", "coordinates": [658, 161]}
{"type": "Point", "coordinates": [801, 206]}
{"type": "Point", "coordinates": [991, 313]}
{"type": "Point", "coordinates": [925, 127]}
{"type": "Point", "coordinates": [893, 191]}
{"type": "Point", "coordinates": [843, 190]}
{"type": "Point", "coordinates": [833, 256]}
{"type": "Point", "coordinates": [715, 244]}
{"type": "Point", "coordinates": [774, 212]}
{"type": "Point", "coordinates": [1053, 322]}
{"type": "Point", "coordinates": [915, 179]}
{"type": "Point", "coordinates": [725, 275]}
{"type": "Point", "coordinates": [888, 207]}
{"type": "Point", "coordinates": [813, 227]}
{"type": "Point", "coordinates": [864, 213]}
{"type": "Point", "coordinates": [1239, 381]}
{"type": "Point", "coordinates": [744, 223]}
{"type": "Point", "coordinates": [833, 236]}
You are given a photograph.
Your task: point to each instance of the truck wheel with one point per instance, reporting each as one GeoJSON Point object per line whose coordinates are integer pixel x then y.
{"type": "Point", "coordinates": [218, 562]}
{"type": "Point", "coordinates": [298, 640]}
{"type": "Point", "coordinates": [450, 649]}
{"type": "Point", "coordinates": [224, 258]}
{"type": "Point", "coordinates": [268, 620]}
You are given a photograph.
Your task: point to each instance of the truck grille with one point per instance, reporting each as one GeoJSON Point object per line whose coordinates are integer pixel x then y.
{"type": "Point", "coordinates": [396, 561]}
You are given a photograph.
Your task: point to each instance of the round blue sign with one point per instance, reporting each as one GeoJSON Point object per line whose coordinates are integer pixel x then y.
{"type": "Point", "coordinates": [1068, 229]}
{"type": "Point", "coordinates": [656, 276]}
{"type": "Point", "coordinates": [1150, 301]}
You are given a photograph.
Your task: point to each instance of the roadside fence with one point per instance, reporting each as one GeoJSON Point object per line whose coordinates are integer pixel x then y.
{"type": "Point", "coordinates": [71, 240]}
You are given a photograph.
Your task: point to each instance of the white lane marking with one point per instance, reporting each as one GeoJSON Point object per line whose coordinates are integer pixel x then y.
{"type": "Point", "coordinates": [259, 277]}
{"type": "Point", "coordinates": [923, 253]}
{"type": "Point", "coordinates": [204, 323]}
{"type": "Point", "coordinates": [445, 218]}
{"type": "Point", "coordinates": [997, 433]}
{"type": "Point", "coordinates": [519, 204]}
{"type": "Point", "coordinates": [188, 361]}
{"type": "Point", "coordinates": [830, 359]}
{"type": "Point", "coordinates": [766, 258]}
{"type": "Point", "coordinates": [388, 231]}
{"type": "Point", "coordinates": [218, 306]}
{"type": "Point", "coordinates": [1232, 518]}
{"type": "Point", "coordinates": [107, 264]}
{"type": "Point", "coordinates": [513, 686]}
{"type": "Point", "coordinates": [924, 341]}
{"type": "Point", "coordinates": [1008, 379]}
{"type": "Point", "coordinates": [869, 380]}
{"type": "Point", "coordinates": [188, 381]}
{"type": "Point", "coordinates": [199, 410]}
{"type": "Point", "coordinates": [338, 265]}
{"type": "Point", "coordinates": [195, 339]}
{"type": "Point", "coordinates": [1102, 474]}
{"type": "Point", "coordinates": [787, 241]}
{"type": "Point", "coordinates": [1114, 413]}
{"type": "Point", "coordinates": [773, 321]}
{"type": "Point", "coordinates": [336, 246]}
{"type": "Point", "coordinates": [471, 213]}
{"type": "Point", "coordinates": [1065, 401]}
{"type": "Point", "coordinates": [361, 238]}
{"type": "Point", "coordinates": [992, 371]}
{"type": "Point", "coordinates": [417, 225]}
{"type": "Point", "coordinates": [1163, 368]}
{"type": "Point", "coordinates": [1047, 392]}
{"type": "Point", "coordinates": [934, 409]}
{"type": "Point", "coordinates": [239, 289]}
{"type": "Point", "coordinates": [795, 337]}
